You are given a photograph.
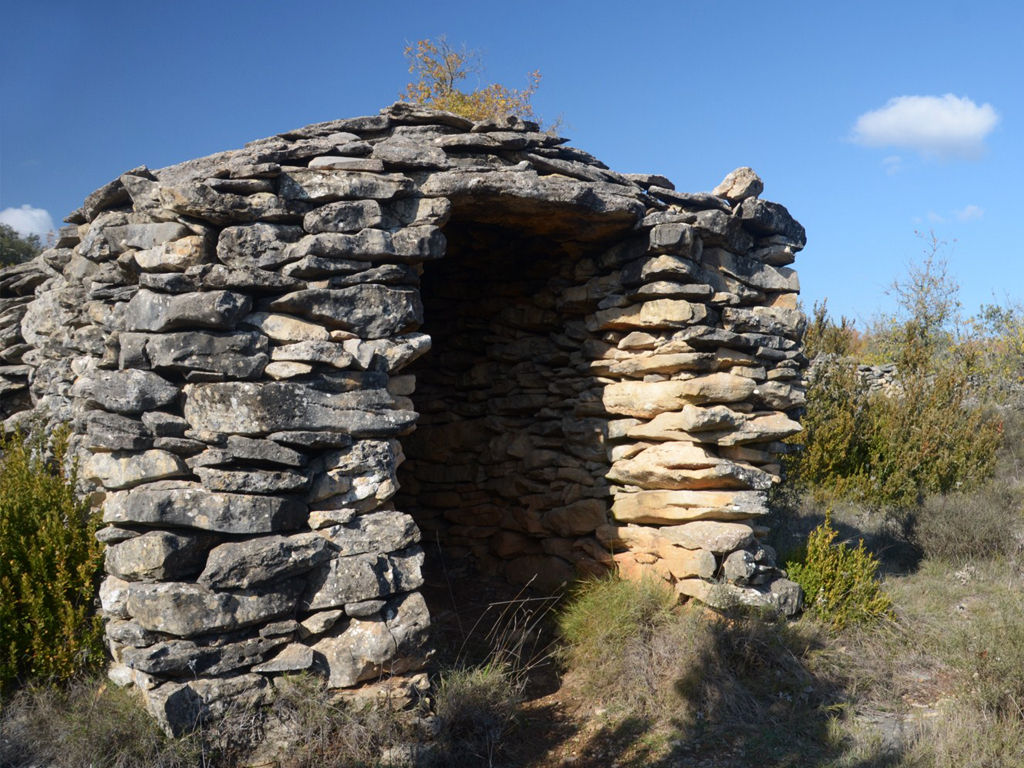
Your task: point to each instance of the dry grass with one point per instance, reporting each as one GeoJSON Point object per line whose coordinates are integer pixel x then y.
{"type": "Point", "coordinates": [89, 723]}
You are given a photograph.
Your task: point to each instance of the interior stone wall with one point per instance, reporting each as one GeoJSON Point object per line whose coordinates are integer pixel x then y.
{"type": "Point", "coordinates": [286, 365]}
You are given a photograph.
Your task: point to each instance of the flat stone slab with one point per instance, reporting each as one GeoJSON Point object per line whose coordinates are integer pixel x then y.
{"type": "Point", "coordinates": [194, 507]}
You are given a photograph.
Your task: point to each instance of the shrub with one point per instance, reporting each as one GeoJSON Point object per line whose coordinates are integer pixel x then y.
{"type": "Point", "coordinates": [49, 565]}
{"type": "Point", "coordinates": [839, 583]}
{"type": "Point", "coordinates": [890, 450]}
{"type": "Point", "coordinates": [439, 69]}
{"type": "Point", "coordinates": [476, 710]}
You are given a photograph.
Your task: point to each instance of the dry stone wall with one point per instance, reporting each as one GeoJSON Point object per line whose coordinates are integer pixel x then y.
{"type": "Point", "coordinates": [286, 365]}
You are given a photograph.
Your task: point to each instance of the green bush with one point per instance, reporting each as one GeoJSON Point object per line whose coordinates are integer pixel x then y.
{"type": "Point", "coordinates": [890, 450]}
{"type": "Point", "coordinates": [839, 583]}
{"type": "Point", "coordinates": [49, 566]}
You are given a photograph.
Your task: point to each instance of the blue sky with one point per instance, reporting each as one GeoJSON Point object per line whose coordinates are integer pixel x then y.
{"type": "Point", "coordinates": [687, 89]}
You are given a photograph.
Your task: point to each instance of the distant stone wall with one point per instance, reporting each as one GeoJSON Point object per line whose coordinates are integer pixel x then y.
{"type": "Point", "coordinates": [285, 365]}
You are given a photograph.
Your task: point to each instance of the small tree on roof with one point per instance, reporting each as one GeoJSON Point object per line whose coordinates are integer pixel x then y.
{"type": "Point", "coordinates": [439, 69]}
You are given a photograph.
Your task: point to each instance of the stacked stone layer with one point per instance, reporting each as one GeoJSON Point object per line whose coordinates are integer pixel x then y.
{"type": "Point", "coordinates": [239, 343]}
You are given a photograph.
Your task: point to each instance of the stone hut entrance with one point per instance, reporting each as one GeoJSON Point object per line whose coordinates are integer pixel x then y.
{"type": "Point", "coordinates": [240, 343]}
{"type": "Point", "coordinates": [508, 461]}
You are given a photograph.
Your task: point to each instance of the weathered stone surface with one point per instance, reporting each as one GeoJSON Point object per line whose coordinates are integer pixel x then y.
{"type": "Point", "coordinates": [157, 556]}
{"type": "Point", "coordinates": [647, 399]}
{"type": "Point", "coordinates": [677, 466]}
{"type": "Point", "coordinates": [327, 352]}
{"type": "Point", "coordinates": [246, 564]}
{"type": "Point", "coordinates": [127, 392]}
{"type": "Point", "coordinates": [235, 355]}
{"type": "Point", "coordinates": [371, 311]}
{"type": "Point", "coordinates": [148, 311]}
{"type": "Point", "coordinates": [691, 418]}
{"type": "Point", "coordinates": [386, 531]}
{"type": "Point", "coordinates": [185, 610]}
{"type": "Point", "coordinates": [356, 578]}
{"type": "Point", "coordinates": [666, 507]}
{"type": "Point", "coordinates": [321, 621]}
{"type": "Point", "coordinates": [658, 313]}
{"type": "Point", "coordinates": [293, 658]}
{"type": "Point", "coordinates": [247, 450]}
{"type": "Point", "coordinates": [179, 708]}
{"type": "Point", "coordinates": [769, 218]}
{"type": "Point", "coordinates": [175, 256]}
{"type": "Point", "coordinates": [346, 217]}
{"type": "Point", "coordinates": [712, 535]}
{"type": "Point", "coordinates": [125, 470]}
{"type": "Point", "coordinates": [362, 649]}
{"type": "Point", "coordinates": [190, 506]}
{"type": "Point", "coordinates": [390, 354]}
{"type": "Point", "coordinates": [252, 409]}
{"type": "Point", "coordinates": [256, 245]}
{"type": "Point", "coordinates": [286, 328]}
{"type": "Point", "coordinates": [751, 271]}
{"type": "Point", "coordinates": [740, 184]}
{"type": "Point", "coordinates": [111, 432]}
{"type": "Point", "coordinates": [251, 480]}
{"type": "Point", "coordinates": [324, 185]}
{"type": "Point", "coordinates": [184, 658]}
{"type": "Point", "coordinates": [739, 566]}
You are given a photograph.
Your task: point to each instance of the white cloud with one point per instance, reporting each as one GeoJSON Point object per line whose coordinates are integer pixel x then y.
{"type": "Point", "coordinates": [934, 218]}
{"type": "Point", "coordinates": [893, 164]}
{"type": "Point", "coordinates": [969, 213]}
{"type": "Point", "coordinates": [27, 220]}
{"type": "Point", "coordinates": [947, 126]}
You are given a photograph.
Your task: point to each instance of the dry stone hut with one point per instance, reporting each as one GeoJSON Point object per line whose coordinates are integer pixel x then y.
{"type": "Point", "coordinates": [286, 365]}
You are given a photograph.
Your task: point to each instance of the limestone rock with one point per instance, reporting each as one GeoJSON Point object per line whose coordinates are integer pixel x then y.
{"type": "Point", "coordinates": [184, 610]}
{"type": "Point", "coordinates": [384, 531]}
{"type": "Point", "coordinates": [148, 311]}
{"type": "Point", "coordinates": [295, 657]}
{"type": "Point", "coordinates": [235, 355]}
{"type": "Point", "coordinates": [127, 392]}
{"type": "Point", "coordinates": [659, 507]}
{"type": "Point", "coordinates": [175, 256]}
{"type": "Point", "coordinates": [190, 506]}
{"type": "Point", "coordinates": [371, 311]}
{"type": "Point", "coordinates": [246, 564]}
{"type": "Point", "coordinates": [356, 578]}
{"type": "Point", "coordinates": [111, 432]}
{"type": "Point", "coordinates": [256, 245]}
{"type": "Point", "coordinates": [157, 555]}
{"type": "Point", "coordinates": [659, 313]}
{"type": "Point", "coordinates": [184, 658]}
{"type": "Point", "coordinates": [347, 217]}
{"type": "Point", "coordinates": [126, 470]}
{"type": "Point", "coordinates": [647, 399]}
{"type": "Point", "coordinates": [286, 328]}
{"type": "Point", "coordinates": [362, 649]}
{"type": "Point", "coordinates": [253, 409]}
{"type": "Point", "coordinates": [251, 480]}
{"type": "Point", "coordinates": [325, 185]}
{"type": "Point", "coordinates": [740, 184]}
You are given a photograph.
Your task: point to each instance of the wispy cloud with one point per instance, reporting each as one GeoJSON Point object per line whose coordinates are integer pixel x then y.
{"type": "Point", "coordinates": [27, 220]}
{"type": "Point", "coordinates": [943, 126]}
{"type": "Point", "coordinates": [969, 213]}
{"type": "Point", "coordinates": [893, 164]}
